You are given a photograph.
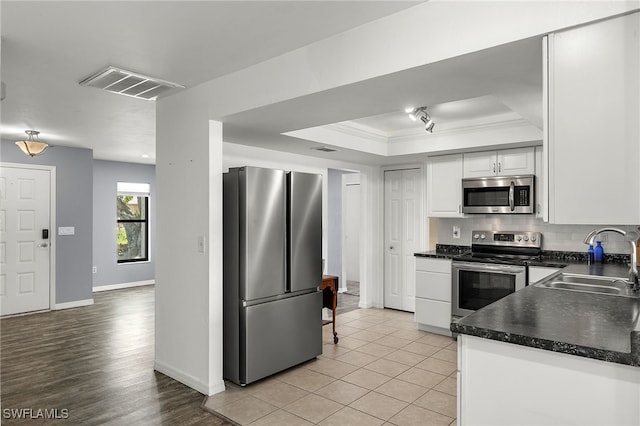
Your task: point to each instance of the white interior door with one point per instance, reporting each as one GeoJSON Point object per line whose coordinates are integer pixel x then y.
{"type": "Point", "coordinates": [24, 254]}
{"type": "Point", "coordinates": [403, 228]}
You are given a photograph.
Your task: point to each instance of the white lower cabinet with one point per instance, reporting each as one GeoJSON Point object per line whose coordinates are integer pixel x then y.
{"type": "Point", "coordinates": [433, 295]}
{"type": "Point", "coordinates": [506, 384]}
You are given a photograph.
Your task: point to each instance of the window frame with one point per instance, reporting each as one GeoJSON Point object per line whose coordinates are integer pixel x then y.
{"type": "Point", "coordinates": [145, 225]}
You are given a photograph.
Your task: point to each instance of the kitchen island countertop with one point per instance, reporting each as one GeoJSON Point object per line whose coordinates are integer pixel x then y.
{"type": "Point", "coordinates": [596, 326]}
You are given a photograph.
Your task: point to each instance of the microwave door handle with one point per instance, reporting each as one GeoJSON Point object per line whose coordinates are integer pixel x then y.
{"type": "Point", "coordinates": [512, 191]}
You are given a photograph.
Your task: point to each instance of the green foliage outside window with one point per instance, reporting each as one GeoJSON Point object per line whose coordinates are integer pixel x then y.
{"type": "Point", "coordinates": [132, 228]}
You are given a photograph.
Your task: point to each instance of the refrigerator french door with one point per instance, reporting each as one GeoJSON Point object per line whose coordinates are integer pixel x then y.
{"type": "Point", "coordinates": [272, 267]}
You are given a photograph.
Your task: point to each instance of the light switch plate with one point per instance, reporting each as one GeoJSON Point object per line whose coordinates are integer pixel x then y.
{"type": "Point", "coordinates": [66, 230]}
{"type": "Point", "coordinates": [456, 231]}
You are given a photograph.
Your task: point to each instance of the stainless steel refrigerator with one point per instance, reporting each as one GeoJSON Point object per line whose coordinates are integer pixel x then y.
{"type": "Point", "coordinates": [272, 268]}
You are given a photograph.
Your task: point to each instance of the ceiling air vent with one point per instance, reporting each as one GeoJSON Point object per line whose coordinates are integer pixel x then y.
{"type": "Point", "coordinates": [129, 83]}
{"type": "Point", "coordinates": [324, 149]}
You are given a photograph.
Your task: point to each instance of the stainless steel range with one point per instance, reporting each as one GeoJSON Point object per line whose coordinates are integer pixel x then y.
{"type": "Point", "coordinates": [496, 267]}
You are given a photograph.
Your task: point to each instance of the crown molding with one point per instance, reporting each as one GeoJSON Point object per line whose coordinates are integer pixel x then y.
{"type": "Point", "coordinates": [358, 130]}
{"type": "Point", "coordinates": [459, 130]}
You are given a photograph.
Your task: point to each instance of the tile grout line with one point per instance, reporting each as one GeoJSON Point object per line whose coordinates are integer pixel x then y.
{"type": "Point", "coordinates": [435, 345]}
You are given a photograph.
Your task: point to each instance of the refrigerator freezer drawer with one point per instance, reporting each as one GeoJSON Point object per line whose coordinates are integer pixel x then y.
{"type": "Point", "coordinates": [279, 335]}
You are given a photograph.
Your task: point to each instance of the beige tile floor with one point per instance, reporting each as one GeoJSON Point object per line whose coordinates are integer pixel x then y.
{"type": "Point", "coordinates": [383, 371]}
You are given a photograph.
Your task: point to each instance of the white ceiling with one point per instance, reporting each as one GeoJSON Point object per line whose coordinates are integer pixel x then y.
{"type": "Point", "coordinates": [48, 47]}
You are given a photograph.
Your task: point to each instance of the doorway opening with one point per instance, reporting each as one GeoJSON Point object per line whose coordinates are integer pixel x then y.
{"type": "Point", "coordinates": [343, 258]}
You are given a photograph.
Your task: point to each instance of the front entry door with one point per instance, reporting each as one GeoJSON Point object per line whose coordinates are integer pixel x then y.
{"type": "Point", "coordinates": [24, 253]}
{"type": "Point", "coordinates": [402, 230]}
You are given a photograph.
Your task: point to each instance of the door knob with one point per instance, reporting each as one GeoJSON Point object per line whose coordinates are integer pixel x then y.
{"type": "Point", "coordinates": [390, 247]}
{"type": "Point", "coordinates": [44, 245]}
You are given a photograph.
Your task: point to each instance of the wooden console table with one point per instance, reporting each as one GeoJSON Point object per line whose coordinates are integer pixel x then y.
{"type": "Point", "coordinates": [329, 289]}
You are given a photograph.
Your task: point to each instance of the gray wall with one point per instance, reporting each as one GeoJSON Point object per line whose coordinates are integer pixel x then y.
{"type": "Point", "coordinates": [106, 175]}
{"type": "Point", "coordinates": [74, 199]}
{"type": "Point", "coordinates": [334, 234]}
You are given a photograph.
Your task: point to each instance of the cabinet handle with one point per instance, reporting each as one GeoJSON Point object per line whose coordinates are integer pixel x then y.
{"type": "Point", "coordinates": [499, 167]}
{"type": "Point", "coordinates": [459, 208]}
{"type": "Point", "coordinates": [494, 167]}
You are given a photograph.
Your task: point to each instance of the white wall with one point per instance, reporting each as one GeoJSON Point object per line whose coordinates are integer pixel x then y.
{"type": "Point", "coordinates": [554, 237]}
{"type": "Point", "coordinates": [188, 281]}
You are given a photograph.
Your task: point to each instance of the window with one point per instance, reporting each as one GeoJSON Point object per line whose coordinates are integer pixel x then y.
{"type": "Point", "coordinates": [132, 204]}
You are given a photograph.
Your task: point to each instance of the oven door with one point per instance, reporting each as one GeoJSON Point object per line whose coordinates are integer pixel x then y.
{"type": "Point", "coordinates": [476, 285]}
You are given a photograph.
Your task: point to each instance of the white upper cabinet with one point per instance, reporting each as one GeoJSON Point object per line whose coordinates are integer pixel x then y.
{"type": "Point", "coordinates": [444, 186]}
{"type": "Point", "coordinates": [593, 125]}
{"type": "Point", "coordinates": [540, 186]}
{"type": "Point", "coordinates": [507, 162]}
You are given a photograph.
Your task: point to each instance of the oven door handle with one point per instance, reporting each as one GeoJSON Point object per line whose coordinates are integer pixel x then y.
{"type": "Point", "coordinates": [479, 267]}
{"type": "Point", "coordinates": [512, 195]}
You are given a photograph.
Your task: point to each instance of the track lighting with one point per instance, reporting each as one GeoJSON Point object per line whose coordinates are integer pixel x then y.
{"type": "Point", "coordinates": [421, 113]}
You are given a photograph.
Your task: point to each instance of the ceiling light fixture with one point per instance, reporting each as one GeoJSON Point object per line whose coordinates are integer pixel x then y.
{"type": "Point", "coordinates": [421, 113]}
{"type": "Point", "coordinates": [32, 146]}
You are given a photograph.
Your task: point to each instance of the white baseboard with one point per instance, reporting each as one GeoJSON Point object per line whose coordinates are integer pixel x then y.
{"type": "Point", "coordinates": [365, 305]}
{"type": "Point", "coordinates": [182, 377]}
{"type": "Point", "coordinates": [217, 388]}
{"type": "Point", "coordinates": [123, 285]}
{"type": "Point", "coordinates": [74, 304]}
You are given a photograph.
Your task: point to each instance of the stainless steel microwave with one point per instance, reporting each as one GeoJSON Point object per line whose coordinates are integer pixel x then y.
{"type": "Point", "coordinates": [499, 194]}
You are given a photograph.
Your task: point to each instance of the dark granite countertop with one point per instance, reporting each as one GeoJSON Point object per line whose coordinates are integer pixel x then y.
{"type": "Point", "coordinates": [590, 325]}
{"type": "Point", "coordinates": [444, 251]}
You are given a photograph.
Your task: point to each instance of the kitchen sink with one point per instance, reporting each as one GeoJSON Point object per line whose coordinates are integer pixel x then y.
{"type": "Point", "coordinates": [588, 284]}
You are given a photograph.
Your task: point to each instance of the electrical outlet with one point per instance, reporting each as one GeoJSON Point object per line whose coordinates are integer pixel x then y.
{"type": "Point", "coordinates": [94, 270]}
{"type": "Point", "coordinates": [456, 231]}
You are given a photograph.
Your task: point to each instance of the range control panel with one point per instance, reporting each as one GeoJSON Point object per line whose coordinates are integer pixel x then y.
{"type": "Point", "coordinates": [507, 238]}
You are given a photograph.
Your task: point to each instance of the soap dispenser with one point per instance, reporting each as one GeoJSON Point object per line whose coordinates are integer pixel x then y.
{"type": "Point", "coordinates": [590, 255]}
{"type": "Point", "coordinates": [598, 252]}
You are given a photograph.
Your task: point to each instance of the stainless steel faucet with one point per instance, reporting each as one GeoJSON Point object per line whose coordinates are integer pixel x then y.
{"type": "Point", "coordinates": [631, 237]}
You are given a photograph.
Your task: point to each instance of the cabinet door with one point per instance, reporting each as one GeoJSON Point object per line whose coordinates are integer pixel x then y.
{"type": "Point", "coordinates": [594, 123]}
{"type": "Point", "coordinates": [541, 191]}
{"type": "Point", "coordinates": [444, 186]}
{"type": "Point", "coordinates": [512, 162]}
{"type": "Point", "coordinates": [433, 312]}
{"type": "Point", "coordinates": [480, 164]}
{"type": "Point", "coordinates": [433, 285]}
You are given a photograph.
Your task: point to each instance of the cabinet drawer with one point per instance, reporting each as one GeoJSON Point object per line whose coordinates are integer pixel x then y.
{"type": "Point", "coordinates": [433, 313]}
{"type": "Point", "coordinates": [433, 285]}
{"type": "Point", "coordinates": [433, 265]}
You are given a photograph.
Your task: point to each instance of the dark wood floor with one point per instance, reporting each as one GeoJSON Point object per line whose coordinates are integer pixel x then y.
{"type": "Point", "coordinates": [97, 363]}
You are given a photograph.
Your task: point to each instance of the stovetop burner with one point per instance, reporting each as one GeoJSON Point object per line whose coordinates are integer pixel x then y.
{"type": "Point", "coordinates": [511, 248]}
